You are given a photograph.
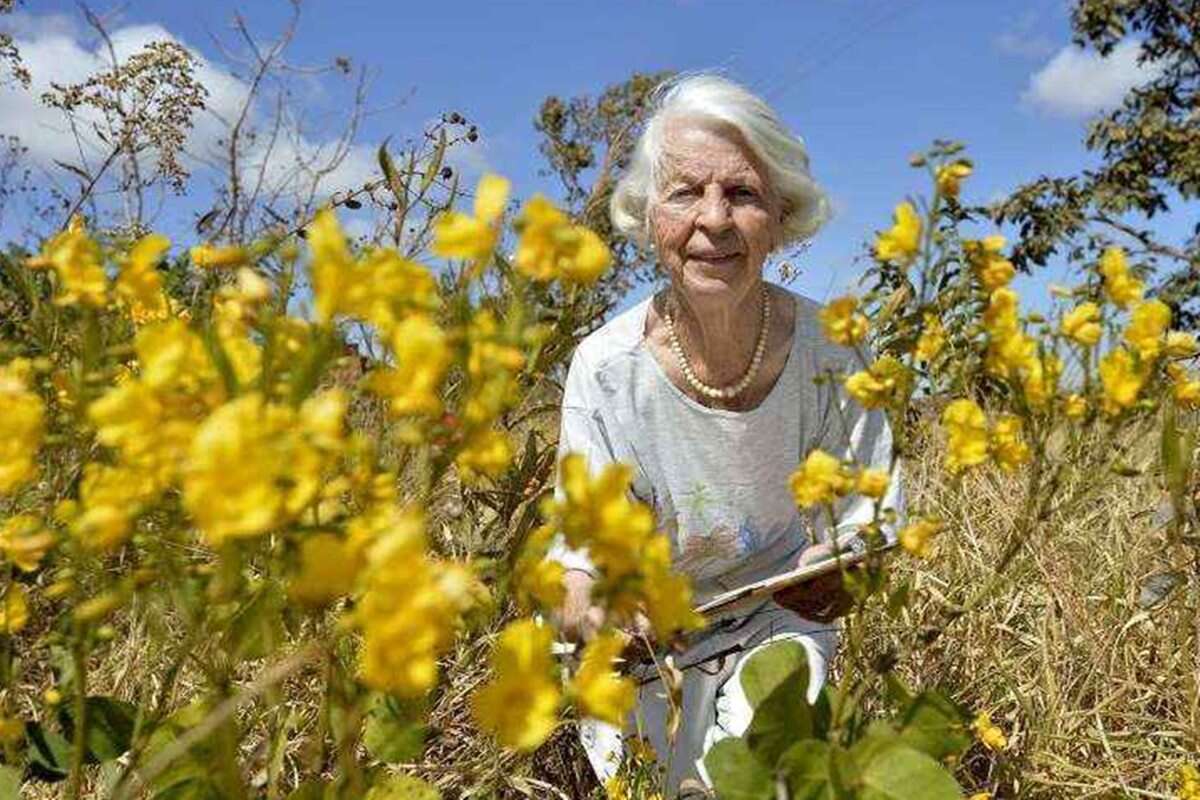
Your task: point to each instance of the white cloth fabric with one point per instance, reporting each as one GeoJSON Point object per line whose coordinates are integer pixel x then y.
{"type": "Point", "coordinates": [717, 481]}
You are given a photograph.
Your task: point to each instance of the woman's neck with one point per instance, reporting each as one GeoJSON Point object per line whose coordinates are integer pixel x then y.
{"type": "Point", "coordinates": [718, 338]}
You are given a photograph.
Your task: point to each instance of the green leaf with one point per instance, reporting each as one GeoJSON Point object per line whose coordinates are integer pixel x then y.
{"type": "Point", "coordinates": [435, 163]}
{"type": "Point", "coordinates": [806, 767]}
{"type": "Point", "coordinates": [49, 753]}
{"type": "Point", "coordinates": [772, 666]}
{"type": "Point", "coordinates": [736, 773]}
{"type": "Point", "coordinates": [901, 773]}
{"type": "Point", "coordinates": [10, 783]}
{"type": "Point", "coordinates": [110, 724]}
{"type": "Point", "coordinates": [780, 719]}
{"type": "Point", "coordinates": [394, 731]}
{"type": "Point", "coordinates": [403, 787]}
{"type": "Point", "coordinates": [310, 790]}
{"type": "Point", "coordinates": [257, 627]}
{"type": "Point", "coordinates": [936, 725]}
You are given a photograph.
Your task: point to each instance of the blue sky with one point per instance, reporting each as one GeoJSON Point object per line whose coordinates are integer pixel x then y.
{"type": "Point", "coordinates": [864, 82]}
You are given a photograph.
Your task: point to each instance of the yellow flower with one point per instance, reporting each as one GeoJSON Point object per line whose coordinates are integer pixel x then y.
{"type": "Point", "coordinates": [411, 605]}
{"type": "Point", "coordinates": [988, 734]}
{"type": "Point", "coordinates": [457, 235]}
{"type": "Point", "coordinates": [1181, 344]}
{"type": "Point", "coordinates": [886, 382]}
{"type": "Point", "coordinates": [21, 425]}
{"type": "Point", "coordinates": [598, 690]}
{"type": "Point", "coordinates": [950, 175]}
{"type": "Point", "coordinates": [24, 541]}
{"type": "Point", "coordinates": [14, 613]}
{"type": "Point", "coordinates": [138, 285]}
{"type": "Point", "coordinates": [1007, 446]}
{"type": "Point", "coordinates": [1121, 380]}
{"type": "Point", "coordinates": [519, 705]}
{"type": "Point", "coordinates": [980, 796]}
{"type": "Point", "coordinates": [334, 278]}
{"type": "Point", "coordinates": [1082, 324]}
{"type": "Point", "coordinates": [252, 466]}
{"type": "Point", "coordinates": [1184, 388]}
{"type": "Point", "coordinates": [968, 436]}
{"type": "Point", "coordinates": [551, 247]}
{"type": "Point", "coordinates": [872, 483]}
{"type": "Point", "coordinates": [932, 339]}
{"type": "Point", "coordinates": [486, 453]}
{"type": "Point", "coordinates": [917, 537]}
{"type": "Point", "coordinates": [822, 478]}
{"type": "Point", "coordinates": [1187, 777]}
{"type": "Point", "coordinates": [1074, 406]}
{"type": "Point", "coordinates": [988, 263]}
{"type": "Point", "coordinates": [422, 358]}
{"type": "Point", "coordinates": [211, 256]}
{"type": "Point", "coordinates": [1119, 285]}
{"type": "Point", "coordinates": [328, 568]}
{"type": "Point", "coordinates": [841, 321]}
{"type": "Point", "coordinates": [538, 580]}
{"type": "Point", "coordinates": [79, 265]}
{"type": "Point", "coordinates": [1147, 329]}
{"type": "Point", "coordinates": [901, 242]}
{"type": "Point", "coordinates": [615, 788]}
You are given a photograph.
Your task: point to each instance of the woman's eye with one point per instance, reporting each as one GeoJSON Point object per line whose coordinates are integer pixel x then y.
{"type": "Point", "coordinates": [744, 192]}
{"type": "Point", "coordinates": [682, 193]}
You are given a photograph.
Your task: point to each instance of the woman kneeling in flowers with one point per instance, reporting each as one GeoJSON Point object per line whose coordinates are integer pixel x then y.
{"type": "Point", "coordinates": [707, 391]}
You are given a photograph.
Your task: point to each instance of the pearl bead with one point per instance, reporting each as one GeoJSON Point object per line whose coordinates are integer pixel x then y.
{"type": "Point", "coordinates": [723, 392]}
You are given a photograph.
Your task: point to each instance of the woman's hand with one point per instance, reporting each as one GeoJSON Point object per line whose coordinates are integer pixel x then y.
{"type": "Point", "coordinates": [823, 599]}
{"type": "Point", "coordinates": [578, 619]}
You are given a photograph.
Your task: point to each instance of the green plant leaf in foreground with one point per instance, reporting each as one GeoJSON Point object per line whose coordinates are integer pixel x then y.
{"type": "Point", "coordinates": [902, 773]}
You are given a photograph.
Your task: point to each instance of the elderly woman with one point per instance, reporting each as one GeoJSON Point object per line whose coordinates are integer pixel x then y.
{"type": "Point", "coordinates": [707, 390]}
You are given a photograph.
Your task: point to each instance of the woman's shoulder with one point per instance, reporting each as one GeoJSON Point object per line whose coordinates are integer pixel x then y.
{"type": "Point", "coordinates": [618, 337]}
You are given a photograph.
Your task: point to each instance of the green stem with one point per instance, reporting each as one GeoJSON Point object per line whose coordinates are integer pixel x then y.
{"type": "Point", "coordinates": [79, 738]}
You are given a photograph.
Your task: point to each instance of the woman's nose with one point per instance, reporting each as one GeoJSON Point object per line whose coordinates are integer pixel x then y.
{"type": "Point", "coordinates": [713, 213]}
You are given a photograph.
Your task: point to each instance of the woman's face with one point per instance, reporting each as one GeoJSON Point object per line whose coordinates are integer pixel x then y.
{"type": "Point", "coordinates": [715, 217]}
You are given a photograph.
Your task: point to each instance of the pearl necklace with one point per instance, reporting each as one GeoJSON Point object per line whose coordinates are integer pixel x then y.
{"type": "Point", "coordinates": [723, 392]}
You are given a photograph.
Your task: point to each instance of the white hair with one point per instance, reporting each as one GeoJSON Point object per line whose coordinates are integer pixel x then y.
{"type": "Point", "coordinates": [712, 97]}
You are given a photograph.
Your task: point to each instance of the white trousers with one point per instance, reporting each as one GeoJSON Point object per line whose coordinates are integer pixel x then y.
{"type": "Point", "coordinates": [714, 704]}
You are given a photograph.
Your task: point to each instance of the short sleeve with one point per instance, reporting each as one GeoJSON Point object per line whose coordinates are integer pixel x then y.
{"type": "Point", "coordinates": [581, 430]}
{"type": "Point", "coordinates": [864, 438]}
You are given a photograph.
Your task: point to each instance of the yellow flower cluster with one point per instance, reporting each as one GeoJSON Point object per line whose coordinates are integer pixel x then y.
{"type": "Point", "coordinates": [988, 734]}
{"type": "Point", "coordinates": [950, 175]}
{"type": "Point", "coordinates": [520, 704]}
{"type": "Point", "coordinates": [254, 465]}
{"type": "Point", "coordinates": [932, 339]}
{"type": "Point", "coordinates": [884, 383]}
{"type": "Point", "coordinates": [538, 581]}
{"type": "Point", "coordinates": [78, 263]}
{"type": "Point", "coordinates": [1013, 354]}
{"type": "Point", "coordinates": [1187, 778]}
{"type": "Point", "coordinates": [21, 425]}
{"type": "Point", "coordinates": [411, 604]}
{"type": "Point", "coordinates": [969, 441]}
{"type": "Point", "coordinates": [1121, 287]}
{"type": "Point", "coordinates": [551, 247]}
{"type": "Point", "coordinates": [917, 536]}
{"type": "Point", "coordinates": [24, 541]}
{"type": "Point", "coordinates": [823, 478]}
{"type": "Point", "coordinates": [139, 286]}
{"type": "Point", "coordinates": [1082, 324]}
{"type": "Point", "coordinates": [842, 322]}
{"type": "Point", "coordinates": [599, 692]}
{"type": "Point", "coordinates": [988, 264]}
{"type": "Point", "coordinates": [618, 532]}
{"type": "Point", "coordinates": [900, 243]}
{"type": "Point", "coordinates": [459, 235]}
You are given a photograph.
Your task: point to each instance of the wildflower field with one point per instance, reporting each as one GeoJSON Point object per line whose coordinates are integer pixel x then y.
{"type": "Point", "coordinates": [275, 502]}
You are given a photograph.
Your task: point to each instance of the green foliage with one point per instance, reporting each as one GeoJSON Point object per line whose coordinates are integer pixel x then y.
{"type": "Point", "coordinates": [793, 747]}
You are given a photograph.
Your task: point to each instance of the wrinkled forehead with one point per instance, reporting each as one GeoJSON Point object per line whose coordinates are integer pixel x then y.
{"type": "Point", "coordinates": [697, 149]}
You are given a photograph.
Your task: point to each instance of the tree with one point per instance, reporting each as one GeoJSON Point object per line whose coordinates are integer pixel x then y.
{"type": "Point", "coordinates": [1150, 151]}
{"type": "Point", "coordinates": [587, 143]}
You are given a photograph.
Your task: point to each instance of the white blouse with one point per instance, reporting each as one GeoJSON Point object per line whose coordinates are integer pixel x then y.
{"type": "Point", "coordinates": [717, 480]}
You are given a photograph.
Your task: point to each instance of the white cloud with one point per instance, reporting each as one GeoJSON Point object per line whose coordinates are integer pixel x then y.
{"type": "Point", "coordinates": [1078, 83]}
{"type": "Point", "coordinates": [53, 48]}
